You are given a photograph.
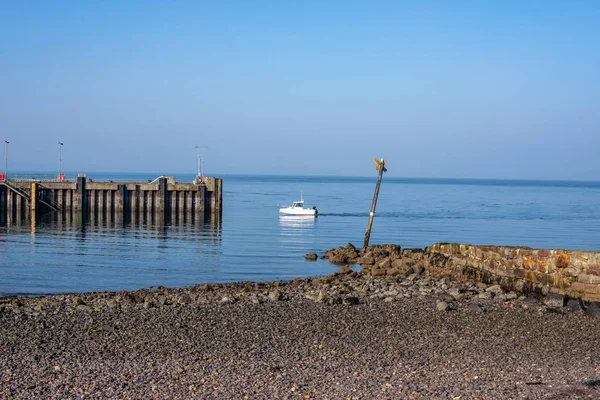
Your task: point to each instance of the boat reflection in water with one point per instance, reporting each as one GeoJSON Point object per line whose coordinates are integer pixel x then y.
{"type": "Point", "coordinates": [297, 221]}
{"type": "Point", "coordinates": [297, 233]}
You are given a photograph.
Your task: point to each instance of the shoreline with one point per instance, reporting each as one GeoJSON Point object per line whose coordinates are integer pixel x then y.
{"type": "Point", "coordinates": [347, 335]}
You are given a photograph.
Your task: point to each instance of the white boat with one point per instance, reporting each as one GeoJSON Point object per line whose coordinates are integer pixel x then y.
{"type": "Point", "coordinates": [297, 209]}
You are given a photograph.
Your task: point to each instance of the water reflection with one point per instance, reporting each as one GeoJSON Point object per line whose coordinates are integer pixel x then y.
{"type": "Point", "coordinates": [62, 253]}
{"type": "Point", "coordinates": [296, 231]}
{"type": "Point", "coordinates": [297, 221]}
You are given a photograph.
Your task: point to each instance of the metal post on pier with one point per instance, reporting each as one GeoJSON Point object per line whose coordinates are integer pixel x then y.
{"type": "Point", "coordinates": [6, 160]}
{"type": "Point", "coordinates": [201, 161]}
{"type": "Point", "coordinates": [381, 168]}
{"type": "Point", "coordinates": [60, 145]}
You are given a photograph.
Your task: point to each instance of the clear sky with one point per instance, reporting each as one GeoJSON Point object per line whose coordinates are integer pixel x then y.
{"type": "Point", "coordinates": [481, 89]}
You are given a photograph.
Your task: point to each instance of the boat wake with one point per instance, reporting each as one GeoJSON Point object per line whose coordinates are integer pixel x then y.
{"type": "Point", "coordinates": [343, 214]}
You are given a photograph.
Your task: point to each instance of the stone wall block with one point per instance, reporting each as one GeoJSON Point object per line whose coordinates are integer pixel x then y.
{"type": "Point", "coordinates": [581, 256]}
{"type": "Point", "coordinates": [472, 252]}
{"type": "Point", "coordinates": [587, 278]}
{"type": "Point", "coordinates": [478, 254]}
{"type": "Point", "coordinates": [517, 263]}
{"type": "Point", "coordinates": [541, 266]}
{"type": "Point", "coordinates": [544, 279]}
{"type": "Point", "coordinates": [520, 273]}
{"type": "Point", "coordinates": [585, 288]}
{"type": "Point", "coordinates": [593, 269]}
{"type": "Point", "coordinates": [563, 260]}
{"type": "Point", "coordinates": [579, 263]}
{"type": "Point", "coordinates": [557, 279]}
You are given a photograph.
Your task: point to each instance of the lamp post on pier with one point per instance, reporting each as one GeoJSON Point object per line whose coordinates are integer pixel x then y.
{"type": "Point", "coordinates": [60, 145]}
{"type": "Point", "coordinates": [6, 160]}
{"type": "Point", "coordinates": [201, 161]}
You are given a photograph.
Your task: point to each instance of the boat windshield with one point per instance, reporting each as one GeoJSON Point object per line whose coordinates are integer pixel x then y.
{"type": "Point", "coordinates": [298, 204]}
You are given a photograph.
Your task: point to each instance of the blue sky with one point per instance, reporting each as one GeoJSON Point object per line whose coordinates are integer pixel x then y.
{"type": "Point", "coordinates": [505, 89]}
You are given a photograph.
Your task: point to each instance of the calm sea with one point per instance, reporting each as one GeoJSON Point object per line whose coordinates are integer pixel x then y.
{"type": "Point", "coordinates": [253, 243]}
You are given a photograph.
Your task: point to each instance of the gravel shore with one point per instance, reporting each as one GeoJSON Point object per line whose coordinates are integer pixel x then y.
{"type": "Point", "coordinates": [347, 336]}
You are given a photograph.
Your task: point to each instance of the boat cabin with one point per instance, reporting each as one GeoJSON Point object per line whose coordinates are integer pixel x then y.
{"type": "Point", "coordinates": [298, 204]}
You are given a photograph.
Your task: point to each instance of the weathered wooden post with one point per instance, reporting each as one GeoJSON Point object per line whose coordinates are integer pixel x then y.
{"type": "Point", "coordinates": [381, 168]}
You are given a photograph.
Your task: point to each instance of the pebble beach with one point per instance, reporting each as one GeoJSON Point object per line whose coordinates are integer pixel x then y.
{"type": "Point", "coordinates": [346, 336]}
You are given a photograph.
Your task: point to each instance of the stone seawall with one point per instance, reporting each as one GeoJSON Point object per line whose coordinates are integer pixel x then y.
{"type": "Point", "coordinates": [575, 274]}
{"type": "Point", "coordinates": [572, 273]}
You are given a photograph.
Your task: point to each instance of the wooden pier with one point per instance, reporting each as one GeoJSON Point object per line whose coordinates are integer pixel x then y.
{"type": "Point", "coordinates": [161, 200]}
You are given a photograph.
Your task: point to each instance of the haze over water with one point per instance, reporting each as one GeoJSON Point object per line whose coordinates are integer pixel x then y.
{"type": "Point", "coordinates": [253, 243]}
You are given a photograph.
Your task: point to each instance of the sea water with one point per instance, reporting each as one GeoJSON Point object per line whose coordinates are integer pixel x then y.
{"type": "Point", "coordinates": [252, 243]}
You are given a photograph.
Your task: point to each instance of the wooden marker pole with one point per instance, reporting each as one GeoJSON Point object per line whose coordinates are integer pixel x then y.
{"type": "Point", "coordinates": [381, 168]}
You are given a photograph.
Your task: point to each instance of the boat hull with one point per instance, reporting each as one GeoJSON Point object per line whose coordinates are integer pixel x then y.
{"type": "Point", "coordinates": [300, 212]}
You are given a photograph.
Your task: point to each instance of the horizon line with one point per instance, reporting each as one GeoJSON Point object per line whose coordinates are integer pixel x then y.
{"type": "Point", "coordinates": [172, 173]}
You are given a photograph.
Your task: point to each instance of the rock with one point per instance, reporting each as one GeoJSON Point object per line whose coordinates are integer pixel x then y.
{"type": "Point", "coordinates": [592, 309]}
{"type": "Point", "coordinates": [351, 300]}
{"type": "Point", "coordinates": [311, 256]}
{"type": "Point", "coordinates": [366, 261]}
{"type": "Point", "coordinates": [575, 305]}
{"type": "Point", "coordinates": [485, 295]}
{"type": "Point", "coordinates": [125, 299]}
{"type": "Point", "coordinates": [447, 298]}
{"type": "Point", "coordinates": [335, 300]}
{"type": "Point", "coordinates": [345, 271]}
{"type": "Point", "coordinates": [350, 246]}
{"type": "Point", "coordinates": [184, 299]}
{"type": "Point", "coordinates": [226, 299]}
{"type": "Point", "coordinates": [111, 303]}
{"type": "Point", "coordinates": [321, 297]}
{"type": "Point", "coordinates": [378, 272]}
{"type": "Point", "coordinates": [337, 258]}
{"type": "Point", "coordinates": [138, 298]}
{"type": "Point", "coordinates": [393, 272]}
{"type": "Point", "coordinates": [500, 297]}
{"type": "Point", "coordinates": [441, 306]}
{"type": "Point", "coordinates": [553, 300]}
{"type": "Point", "coordinates": [418, 269]}
{"type": "Point", "coordinates": [495, 289]}
{"type": "Point", "coordinates": [455, 293]}
{"type": "Point", "coordinates": [478, 308]}
{"type": "Point", "coordinates": [162, 300]}
{"type": "Point", "coordinates": [352, 255]}
{"type": "Point", "coordinates": [274, 295]}
{"type": "Point", "coordinates": [530, 302]}
{"type": "Point", "coordinates": [510, 296]}
{"type": "Point", "coordinates": [83, 307]}
{"type": "Point", "coordinates": [385, 263]}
